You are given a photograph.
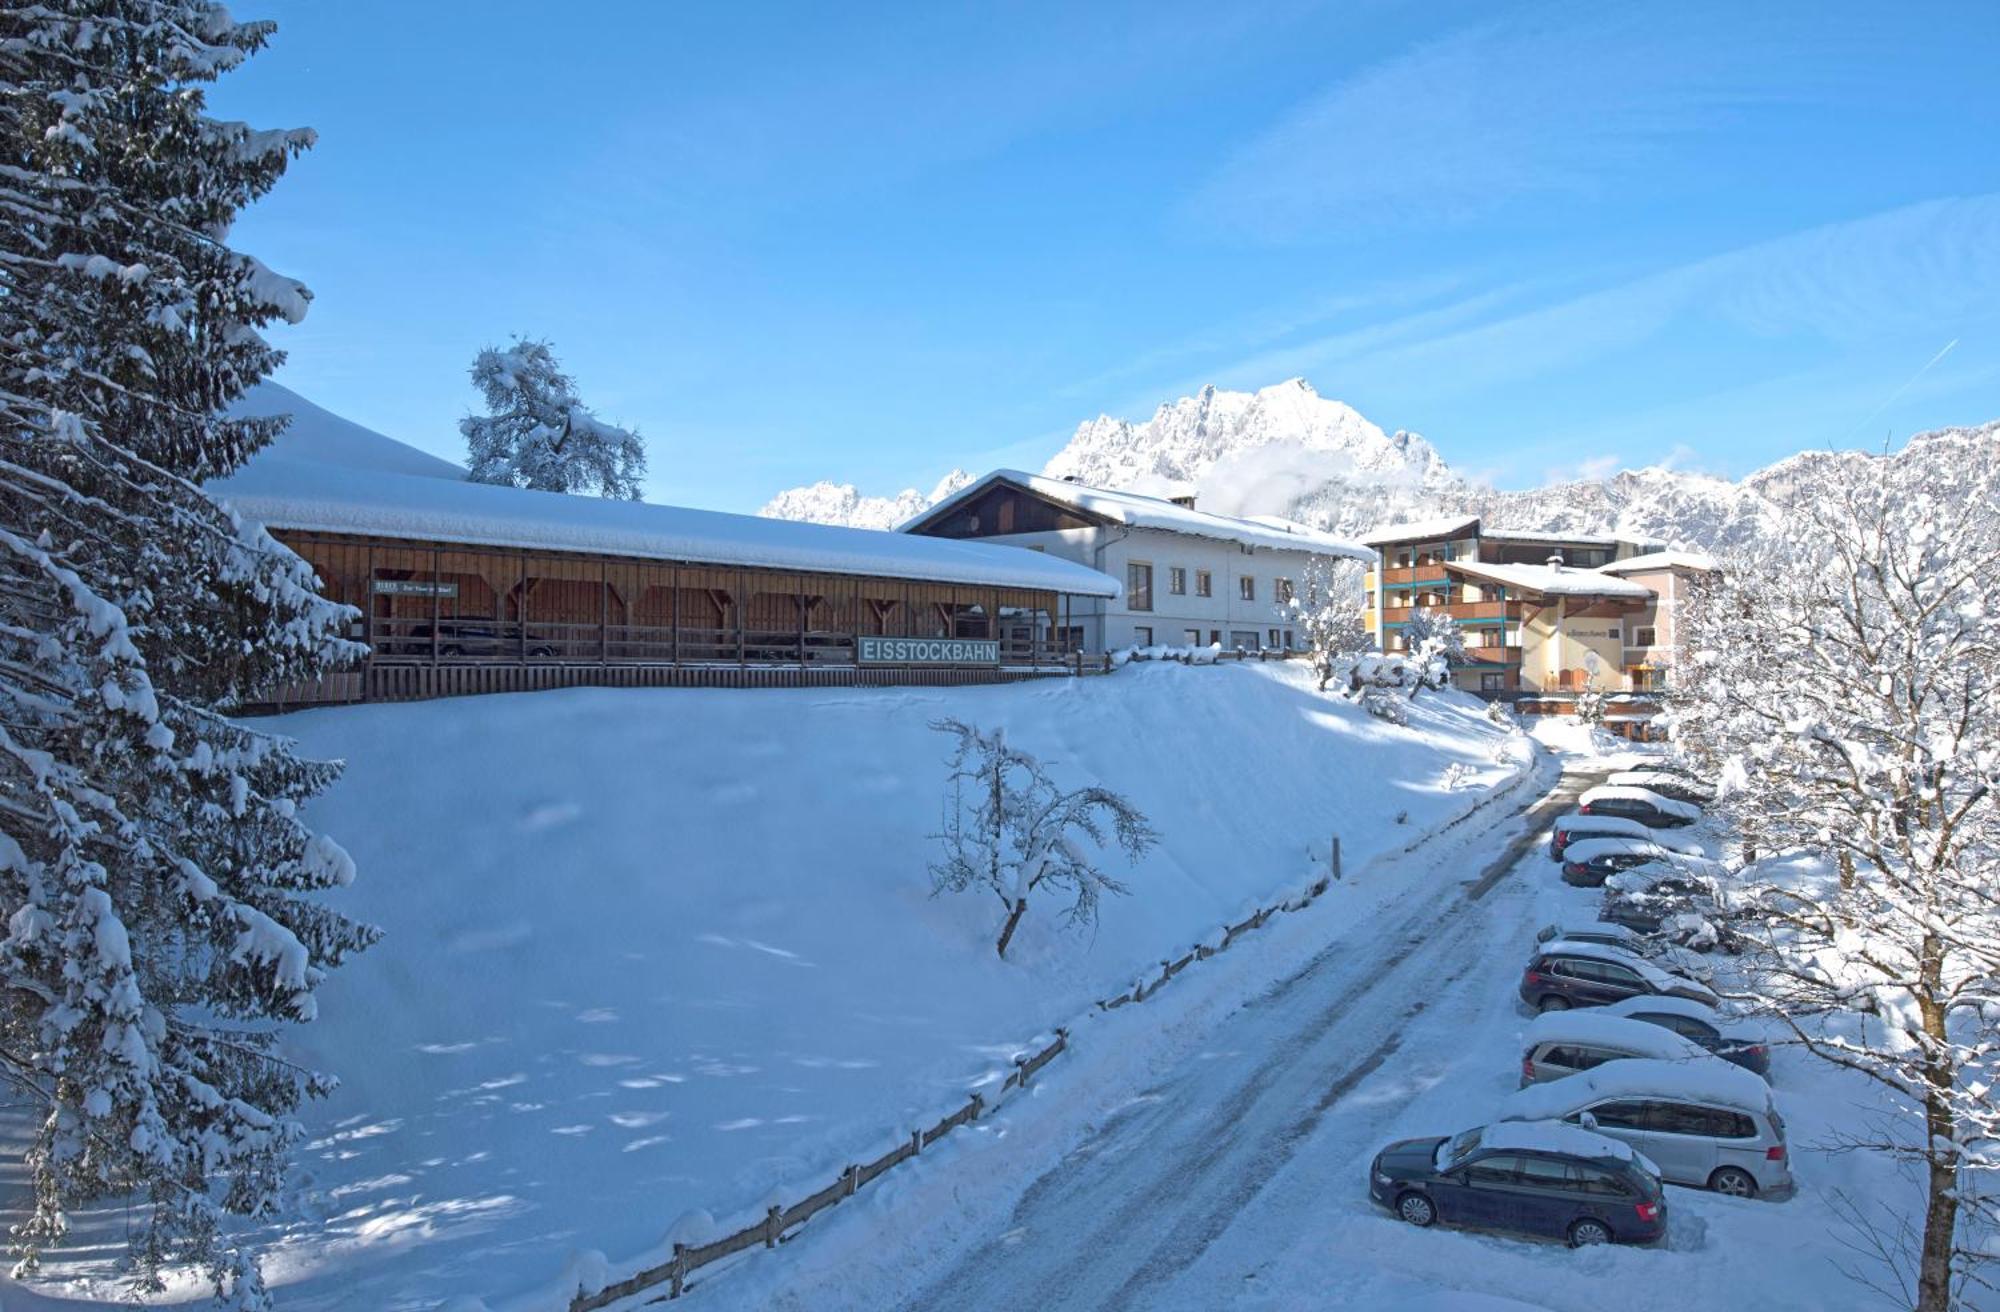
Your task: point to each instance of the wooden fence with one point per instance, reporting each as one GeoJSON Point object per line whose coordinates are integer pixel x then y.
{"type": "Point", "coordinates": [777, 1221]}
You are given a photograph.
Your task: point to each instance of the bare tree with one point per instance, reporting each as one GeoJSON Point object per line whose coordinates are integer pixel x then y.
{"type": "Point", "coordinates": [1841, 684]}
{"type": "Point", "coordinates": [1009, 828]}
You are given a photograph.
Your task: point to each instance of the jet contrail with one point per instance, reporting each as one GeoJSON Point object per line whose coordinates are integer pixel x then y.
{"type": "Point", "coordinates": [1908, 383]}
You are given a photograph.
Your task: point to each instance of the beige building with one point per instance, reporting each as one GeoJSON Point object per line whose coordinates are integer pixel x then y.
{"type": "Point", "coordinates": [1542, 613]}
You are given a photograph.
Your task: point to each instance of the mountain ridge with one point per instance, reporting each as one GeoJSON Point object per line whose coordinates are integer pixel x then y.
{"type": "Point", "coordinates": [1287, 450]}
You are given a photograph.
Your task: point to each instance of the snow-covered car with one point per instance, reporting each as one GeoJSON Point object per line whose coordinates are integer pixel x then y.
{"type": "Point", "coordinates": [1673, 903]}
{"type": "Point", "coordinates": [1666, 783]}
{"type": "Point", "coordinates": [1562, 974]}
{"type": "Point", "coordinates": [1561, 1043]}
{"type": "Point", "coordinates": [1576, 825]}
{"type": "Point", "coordinates": [1550, 1179]}
{"type": "Point", "coordinates": [1671, 956]}
{"type": "Point", "coordinates": [1588, 862]}
{"type": "Point", "coordinates": [1642, 804]}
{"type": "Point", "coordinates": [1707, 1124]}
{"type": "Point", "coordinates": [1700, 1024]}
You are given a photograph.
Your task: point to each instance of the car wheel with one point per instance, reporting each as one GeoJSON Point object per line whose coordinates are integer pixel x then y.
{"type": "Point", "coordinates": [1588, 1232]}
{"type": "Point", "coordinates": [1736, 1183]}
{"type": "Point", "coordinates": [1416, 1209]}
{"type": "Point", "coordinates": [540, 653]}
{"type": "Point", "coordinates": [1552, 1003]}
{"type": "Point", "coordinates": [450, 651]}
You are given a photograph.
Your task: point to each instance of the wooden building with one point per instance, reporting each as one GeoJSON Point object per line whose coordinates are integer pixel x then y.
{"type": "Point", "coordinates": [463, 587]}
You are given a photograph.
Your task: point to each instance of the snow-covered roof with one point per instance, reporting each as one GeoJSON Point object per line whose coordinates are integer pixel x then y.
{"type": "Point", "coordinates": [1551, 581]}
{"type": "Point", "coordinates": [1716, 1081]}
{"type": "Point", "coordinates": [1422, 530]}
{"type": "Point", "coordinates": [1560, 539]}
{"type": "Point", "coordinates": [1656, 560]}
{"type": "Point", "coordinates": [1610, 792]}
{"type": "Point", "coordinates": [331, 481]}
{"type": "Point", "coordinates": [1596, 1029]}
{"type": "Point", "coordinates": [1136, 511]}
{"type": "Point", "coordinates": [1553, 1136]}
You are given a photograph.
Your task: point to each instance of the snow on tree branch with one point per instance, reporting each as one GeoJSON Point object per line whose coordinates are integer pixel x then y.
{"type": "Point", "coordinates": [537, 434]}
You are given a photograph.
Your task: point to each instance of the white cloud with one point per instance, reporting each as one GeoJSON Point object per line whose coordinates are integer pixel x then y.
{"type": "Point", "coordinates": [1566, 101]}
{"type": "Point", "coordinates": [1589, 470]}
{"type": "Point", "coordinates": [1918, 269]}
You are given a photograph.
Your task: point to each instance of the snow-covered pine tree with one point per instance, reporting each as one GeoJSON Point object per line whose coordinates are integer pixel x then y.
{"type": "Point", "coordinates": [537, 434]}
{"type": "Point", "coordinates": [1010, 829]}
{"type": "Point", "coordinates": [1842, 682]}
{"type": "Point", "coordinates": [157, 882]}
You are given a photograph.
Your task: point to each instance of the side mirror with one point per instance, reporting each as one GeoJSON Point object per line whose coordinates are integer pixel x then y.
{"type": "Point", "coordinates": [1588, 1121]}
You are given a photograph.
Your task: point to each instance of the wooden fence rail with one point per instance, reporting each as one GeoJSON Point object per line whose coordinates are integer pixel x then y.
{"type": "Point", "coordinates": [777, 1222]}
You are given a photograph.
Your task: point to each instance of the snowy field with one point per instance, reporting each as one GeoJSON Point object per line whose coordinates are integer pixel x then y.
{"type": "Point", "coordinates": [652, 951]}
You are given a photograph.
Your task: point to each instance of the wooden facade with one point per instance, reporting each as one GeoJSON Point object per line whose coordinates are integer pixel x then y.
{"type": "Point", "coordinates": [440, 618]}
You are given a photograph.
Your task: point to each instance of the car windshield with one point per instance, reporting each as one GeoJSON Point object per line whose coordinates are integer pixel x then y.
{"type": "Point", "coordinates": [1455, 1150]}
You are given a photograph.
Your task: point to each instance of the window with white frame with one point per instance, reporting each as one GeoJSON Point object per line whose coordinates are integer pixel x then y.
{"type": "Point", "coordinates": [1246, 587]}
{"type": "Point", "coordinates": [1138, 585]}
{"type": "Point", "coordinates": [1177, 581]}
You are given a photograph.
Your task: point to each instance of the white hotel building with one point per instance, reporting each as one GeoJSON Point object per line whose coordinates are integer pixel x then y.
{"type": "Point", "coordinates": [1191, 578]}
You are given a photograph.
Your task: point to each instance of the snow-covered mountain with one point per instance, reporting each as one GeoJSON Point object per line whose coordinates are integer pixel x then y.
{"type": "Point", "coordinates": [1286, 450]}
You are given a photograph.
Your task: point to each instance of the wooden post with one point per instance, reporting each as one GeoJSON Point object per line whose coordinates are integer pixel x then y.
{"type": "Point", "coordinates": [916, 1142]}
{"type": "Point", "coordinates": [852, 1178]}
{"type": "Point", "coordinates": [1336, 856]}
{"type": "Point", "coordinates": [679, 1270]}
{"type": "Point", "coordinates": [978, 1106]}
{"type": "Point", "coordinates": [1020, 1072]}
{"type": "Point", "coordinates": [771, 1219]}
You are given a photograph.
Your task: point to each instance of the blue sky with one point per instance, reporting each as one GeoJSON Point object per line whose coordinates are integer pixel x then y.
{"type": "Point", "coordinates": [874, 243]}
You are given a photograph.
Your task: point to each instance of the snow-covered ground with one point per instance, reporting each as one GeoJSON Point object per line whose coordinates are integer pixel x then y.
{"type": "Point", "coordinates": [652, 951]}
{"type": "Point", "coordinates": [1228, 1169]}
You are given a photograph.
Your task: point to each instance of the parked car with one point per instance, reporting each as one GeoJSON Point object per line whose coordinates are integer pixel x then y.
{"type": "Point", "coordinates": [1707, 1124]}
{"type": "Point", "coordinates": [1576, 825]}
{"type": "Point", "coordinates": [1559, 1181]}
{"type": "Point", "coordinates": [1700, 1024]}
{"type": "Point", "coordinates": [1588, 862]}
{"type": "Point", "coordinates": [1669, 956]}
{"type": "Point", "coordinates": [1641, 804]}
{"type": "Point", "coordinates": [1560, 1043]}
{"type": "Point", "coordinates": [458, 638]}
{"type": "Point", "coordinates": [1562, 974]}
{"type": "Point", "coordinates": [1674, 904]}
{"type": "Point", "coordinates": [1667, 783]}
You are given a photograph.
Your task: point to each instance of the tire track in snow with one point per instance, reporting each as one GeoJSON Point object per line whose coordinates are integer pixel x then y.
{"type": "Point", "coordinates": [1197, 1148]}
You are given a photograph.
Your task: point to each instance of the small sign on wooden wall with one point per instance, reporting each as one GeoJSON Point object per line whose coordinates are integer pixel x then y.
{"type": "Point", "coordinates": [927, 651]}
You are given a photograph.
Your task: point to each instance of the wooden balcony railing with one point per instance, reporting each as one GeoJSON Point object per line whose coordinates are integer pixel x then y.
{"type": "Point", "coordinates": [1493, 655]}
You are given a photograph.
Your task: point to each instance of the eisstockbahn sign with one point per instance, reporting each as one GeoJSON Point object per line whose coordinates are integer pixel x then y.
{"type": "Point", "coordinates": [928, 651]}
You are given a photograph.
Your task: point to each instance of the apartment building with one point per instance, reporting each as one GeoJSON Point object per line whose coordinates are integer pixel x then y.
{"type": "Point", "coordinates": [1191, 578]}
{"type": "Point", "coordinates": [1542, 612]}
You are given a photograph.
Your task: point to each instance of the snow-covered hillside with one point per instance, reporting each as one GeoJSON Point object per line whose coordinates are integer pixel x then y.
{"type": "Point", "coordinates": [647, 951]}
{"type": "Point", "coordinates": [1286, 450]}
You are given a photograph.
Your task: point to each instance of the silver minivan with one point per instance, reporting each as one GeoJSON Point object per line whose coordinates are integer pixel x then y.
{"type": "Point", "coordinates": [1560, 1043]}
{"type": "Point", "coordinates": [1706, 1124]}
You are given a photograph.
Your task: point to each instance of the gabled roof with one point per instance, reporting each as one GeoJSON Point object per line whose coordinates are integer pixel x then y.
{"type": "Point", "coordinates": [1136, 511]}
{"type": "Point", "coordinates": [1552, 582]}
{"type": "Point", "coordinates": [311, 482]}
{"type": "Point", "coordinates": [1423, 530]}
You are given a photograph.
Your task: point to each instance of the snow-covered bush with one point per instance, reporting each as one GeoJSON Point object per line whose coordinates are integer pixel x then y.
{"type": "Point", "coordinates": [1380, 704]}
{"type": "Point", "coordinates": [1010, 829]}
{"type": "Point", "coordinates": [1590, 707]}
{"type": "Point", "coordinates": [1457, 775]}
{"type": "Point", "coordinates": [538, 434]}
{"type": "Point", "coordinates": [1502, 714]}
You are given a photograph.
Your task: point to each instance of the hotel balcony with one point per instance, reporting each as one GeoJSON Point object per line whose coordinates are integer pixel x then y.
{"type": "Point", "coordinates": [1492, 655]}
{"type": "Point", "coordinates": [1462, 610]}
{"type": "Point", "coordinates": [1414, 574]}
